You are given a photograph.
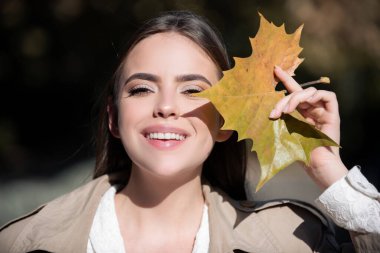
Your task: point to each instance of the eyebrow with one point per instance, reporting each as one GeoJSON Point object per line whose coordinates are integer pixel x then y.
{"type": "Point", "coordinates": [142, 76]}
{"type": "Point", "coordinates": [192, 77]}
{"type": "Point", "coordinates": [155, 78]}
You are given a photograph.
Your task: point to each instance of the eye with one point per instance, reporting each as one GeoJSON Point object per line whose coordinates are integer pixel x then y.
{"type": "Point", "coordinates": [140, 90]}
{"type": "Point", "coordinates": [191, 89]}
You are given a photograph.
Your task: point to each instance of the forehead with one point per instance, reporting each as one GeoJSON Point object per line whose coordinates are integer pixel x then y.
{"type": "Point", "coordinates": [168, 51]}
{"type": "Point", "coordinates": [162, 41]}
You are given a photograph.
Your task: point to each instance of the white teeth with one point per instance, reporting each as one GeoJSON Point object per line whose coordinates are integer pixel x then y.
{"type": "Point", "coordinates": [165, 136]}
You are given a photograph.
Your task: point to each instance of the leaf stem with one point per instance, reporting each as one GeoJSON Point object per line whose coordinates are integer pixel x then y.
{"type": "Point", "coordinates": [323, 79]}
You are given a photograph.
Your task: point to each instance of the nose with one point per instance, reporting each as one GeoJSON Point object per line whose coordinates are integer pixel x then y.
{"type": "Point", "coordinates": [166, 106]}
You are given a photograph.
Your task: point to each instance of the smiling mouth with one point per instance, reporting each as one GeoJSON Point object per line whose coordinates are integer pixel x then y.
{"type": "Point", "coordinates": [165, 136]}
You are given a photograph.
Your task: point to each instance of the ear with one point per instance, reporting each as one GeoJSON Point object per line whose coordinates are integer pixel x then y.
{"type": "Point", "coordinates": [112, 118]}
{"type": "Point", "coordinates": [223, 135]}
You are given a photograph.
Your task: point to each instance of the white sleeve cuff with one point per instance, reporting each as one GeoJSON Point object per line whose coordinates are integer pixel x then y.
{"type": "Point", "coordinates": [352, 203]}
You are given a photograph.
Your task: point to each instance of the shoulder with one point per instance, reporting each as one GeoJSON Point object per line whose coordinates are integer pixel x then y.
{"type": "Point", "coordinates": [10, 231]}
{"type": "Point", "coordinates": [294, 224]}
{"type": "Point", "coordinates": [282, 208]}
{"type": "Point", "coordinates": [282, 225]}
{"type": "Point", "coordinates": [72, 212]}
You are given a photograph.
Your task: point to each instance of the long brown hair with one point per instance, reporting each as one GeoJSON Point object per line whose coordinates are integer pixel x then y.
{"type": "Point", "coordinates": [226, 165]}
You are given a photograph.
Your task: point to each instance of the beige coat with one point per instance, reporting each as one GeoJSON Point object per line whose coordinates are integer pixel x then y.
{"type": "Point", "coordinates": [63, 225]}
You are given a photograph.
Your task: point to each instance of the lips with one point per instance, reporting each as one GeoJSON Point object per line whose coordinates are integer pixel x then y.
{"type": "Point", "coordinates": [165, 137]}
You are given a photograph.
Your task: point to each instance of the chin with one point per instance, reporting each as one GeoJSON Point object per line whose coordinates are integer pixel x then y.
{"type": "Point", "coordinates": [171, 170]}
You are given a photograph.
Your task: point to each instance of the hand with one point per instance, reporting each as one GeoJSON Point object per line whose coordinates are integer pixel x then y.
{"type": "Point", "coordinates": [319, 108]}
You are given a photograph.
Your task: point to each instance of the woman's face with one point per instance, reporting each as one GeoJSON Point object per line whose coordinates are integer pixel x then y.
{"type": "Point", "coordinates": [165, 130]}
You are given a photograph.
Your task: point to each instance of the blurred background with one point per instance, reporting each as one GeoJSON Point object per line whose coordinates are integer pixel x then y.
{"type": "Point", "coordinates": [56, 56]}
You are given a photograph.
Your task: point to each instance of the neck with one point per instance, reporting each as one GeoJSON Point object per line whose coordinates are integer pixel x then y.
{"type": "Point", "coordinates": [161, 213]}
{"type": "Point", "coordinates": [152, 199]}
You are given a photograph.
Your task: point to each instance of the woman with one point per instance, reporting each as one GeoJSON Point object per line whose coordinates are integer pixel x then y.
{"type": "Point", "coordinates": [167, 179]}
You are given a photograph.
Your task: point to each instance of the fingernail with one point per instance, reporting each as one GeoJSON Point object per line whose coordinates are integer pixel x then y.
{"type": "Point", "coordinates": [272, 114]}
{"type": "Point", "coordinates": [276, 67]}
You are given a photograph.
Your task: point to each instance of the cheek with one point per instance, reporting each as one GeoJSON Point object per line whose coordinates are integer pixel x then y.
{"type": "Point", "coordinates": [209, 117]}
{"type": "Point", "coordinates": [129, 113]}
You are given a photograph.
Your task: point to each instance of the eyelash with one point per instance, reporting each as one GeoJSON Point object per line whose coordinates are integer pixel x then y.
{"type": "Point", "coordinates": [192, 90]}
{"type": "Point", "coordinates": [139, 90]}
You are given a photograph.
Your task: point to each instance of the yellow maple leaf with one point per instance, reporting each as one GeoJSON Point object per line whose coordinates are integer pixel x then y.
{"type": "Point", "coordinates": [246, 95]}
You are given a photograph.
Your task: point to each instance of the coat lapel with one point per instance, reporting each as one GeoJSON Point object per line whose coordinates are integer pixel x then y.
{"type": "Point", "coordinates": [231, 229]}
{"type": "Point", "coordinates": [63, 225]}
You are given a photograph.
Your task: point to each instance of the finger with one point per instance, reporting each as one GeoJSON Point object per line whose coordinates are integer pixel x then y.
{"type": "Point", "coordinates": [290, 84]}
{"type": "Point", "coordinates": [300, 98]}
{"type": "Point", "coordinates": [289, 103]}
{"type": "Point", "coordinates": [309, 120]}
{"type": "Point", "coordinates": [328, 98]}
{"type": "Point", "coordinates": [279, 107]}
